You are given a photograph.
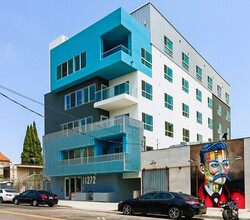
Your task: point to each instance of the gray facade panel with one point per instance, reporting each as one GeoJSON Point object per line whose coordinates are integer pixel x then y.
{"type": "Point", "coordinates": [55, 114]}
{"type": "Point", "coordinates": [220, 119]}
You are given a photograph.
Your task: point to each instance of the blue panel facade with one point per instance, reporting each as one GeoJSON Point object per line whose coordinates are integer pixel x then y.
{"type": "Point", "coordinates": [81, 156]}
{"type": "Point", "coordinates": [123, 132]}
{"type": "Point", "coordinates": [104, 57]}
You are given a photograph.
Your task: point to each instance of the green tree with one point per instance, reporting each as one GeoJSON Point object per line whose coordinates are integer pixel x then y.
{"type": "Point", "coordinates": [32, 150]}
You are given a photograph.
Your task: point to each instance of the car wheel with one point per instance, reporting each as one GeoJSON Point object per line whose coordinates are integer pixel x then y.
{"type": "Point", "coordinates": [1, 199]}
{"type": "Point", "coordinates": [174, 213]}
{"type": "Point", "coordinates": [127, 210]}
{"type": "Point", "coordinates": [51, 205]}
{"type": "Point", "coordinates": [34, 203]}
{"type": "Point", "coordinates": [16, 202]}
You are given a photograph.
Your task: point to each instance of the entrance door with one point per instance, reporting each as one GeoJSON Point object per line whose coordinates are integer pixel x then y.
{"type": "Point", "coordinates": [70, 187]}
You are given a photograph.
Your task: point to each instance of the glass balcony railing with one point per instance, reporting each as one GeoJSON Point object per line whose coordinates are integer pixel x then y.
{"type": "Point", "coordinates": [116, 49]}
{"type": "Point", "coordinates": [113, 91]}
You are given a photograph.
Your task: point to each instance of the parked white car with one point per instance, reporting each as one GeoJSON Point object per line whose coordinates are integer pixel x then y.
{"type": "Point", "coordinates": [6, 195]}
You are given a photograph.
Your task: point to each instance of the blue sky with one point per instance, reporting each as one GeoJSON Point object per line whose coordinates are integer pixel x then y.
{"type": "Point", "coordinates": [218, 30]}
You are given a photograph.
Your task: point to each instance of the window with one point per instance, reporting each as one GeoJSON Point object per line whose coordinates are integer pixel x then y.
{"type": "Point", "coordinates": [168, 73]}
{"type": "Point", "coordinates": [185, 110]}
{"type": "Point", "coordinates": [77, 98]}
{"type": "Point", "coordinates": [219, 110]}
{"type": "Point", "coordinates": [148, 122]}
{"type": "Point", "coordinates": [185, 61]}
{"type": "Point", "coordinates": [219, 128]}
{"type": "Point", "coordinates": [88, 152]}
{"type": "Point", "coordinates": [199, 117]}
{"type": "Point", "coordinates": [219, 91]}
{"type": "Point", "coordinates": [227, 98]}
{"type": "Point", "coordinates": [198, 95]}
{"type": "Point", "coordinates": [228, 132]}
{"type": "Point", "coordinates": [168, 46]}
{"type": "Point", "coordinates": [146, 58]}
{"type": "Point", "coordinates": [210, 83]}
{"type": "Point", "coordinates": [168, 101]}
{"type": "Point", "coordinates": [185, 85]}
{"type": "Point", "coordinates": [199, 138]}
{"type": "Point", "coordinates": [210, 123]}
{"type": "Point", "coordinates": [77, 123]}
{"type": "Point", "coordinates": [70, 66]}
{"type": "Point", "coordinates": [185, 134]}
{"type": "Point", "coordinates": [227, 115]}
{"type": "Point", "coordinates": [147, 90]}
{"type": "Point", "coordinates": [209, 103]}
{"type": "Point", "coordinates": [199, 73]}
{"type": "Point", "coordinates": [169, 129]}
{"type": "Point", "coordinates": [83, 60]}
{"type": "Point", "coordinates": [77, 62]}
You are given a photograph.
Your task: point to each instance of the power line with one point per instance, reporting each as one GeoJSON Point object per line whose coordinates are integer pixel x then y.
{"type": "Point", "coordinates": [7, 97]}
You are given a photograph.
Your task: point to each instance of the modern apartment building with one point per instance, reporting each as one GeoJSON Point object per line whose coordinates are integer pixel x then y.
{"type": "Point", "coordinates": [128, 83]}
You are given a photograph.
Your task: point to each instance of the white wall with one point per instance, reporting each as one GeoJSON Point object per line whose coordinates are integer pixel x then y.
{"type": "Point", "coordinates": [160, 113]}
{"type": "Point", "coordinates": [176, 159]}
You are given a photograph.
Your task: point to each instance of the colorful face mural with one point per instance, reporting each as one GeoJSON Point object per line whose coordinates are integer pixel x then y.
{"type": "Point", "coordinates": [215, 165]}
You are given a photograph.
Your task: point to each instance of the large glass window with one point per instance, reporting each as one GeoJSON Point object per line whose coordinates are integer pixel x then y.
{"type": "Point", "coordinates": [185, 85]}
{"type": "Point", "coordinates": [219, 110]}
{"type": "Point", "coordinates": [185, 110]}
{"type": "Point", "coordinates": [210, 123]}
{"type": "Point", "coordinates": [83, 60]}
{"type": "Point", "coordinates": [227, 115]}
{"type": "Point", "coordinates": [147, 90]}
{"type": "Point", "coordinates": [148, 121]}
{"type": "Point", "coordinates": [146, 58]}
{"type": "Point", "coordinates": [168, 46]}
{"type": "Point", "coordinates": [169, 102]}
{"type": "Point", "coordinates": [199, 138]}
{"type": "Point", "coordinates": [72, 65]}
{"type": "Point", "coordinates": [77, 62]}
{"type": "Point", "coordinates": [210, 83]}
{"type": "Point", "coordinates": [199, 117]}
{"type": "Point", "coordinates": [185, 134]}
{"type": "Point", "coordinates": [185, 61]}
{"type": "Point", "coordinates": [198, 95]}
{"type": "Point", "coordinates": [219, 128]}
{"type": "Point", "coordinates": [168, 73]}
{"type": "Point", "coordinates": [219, 91]}
{"type": "Point", "coordinates": [227, 98]}
{"type": "Point", "coordinates": [199, 73]}
{"type": "Point", "coordinates": [169, 129]}
{"type": "Point", "coordinates": [210, 103]}
{"type": "Point", "coordinates": [79, 97]}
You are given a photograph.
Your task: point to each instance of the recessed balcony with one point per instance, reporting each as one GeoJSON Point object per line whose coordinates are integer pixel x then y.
{"type": "Point", "coordinates": [116, 97]}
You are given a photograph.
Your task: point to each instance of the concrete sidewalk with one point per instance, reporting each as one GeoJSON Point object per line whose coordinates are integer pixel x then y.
{"type": "Point", "coordinates": [112, 207]}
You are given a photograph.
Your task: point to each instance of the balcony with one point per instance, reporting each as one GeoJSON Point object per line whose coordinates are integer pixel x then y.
{"type": "Point", "coordinates": [123, 131]}
{"type": "Point", "coordinates": [116, 97]}
{"type": "Point", "coordinates": [116, 49]}
{"type": "Point", "coordinates": [115, 163]}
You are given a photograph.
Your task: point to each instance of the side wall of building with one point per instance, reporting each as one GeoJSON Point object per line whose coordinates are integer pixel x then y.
{"type": "Point", "coordinates": [247, 171]}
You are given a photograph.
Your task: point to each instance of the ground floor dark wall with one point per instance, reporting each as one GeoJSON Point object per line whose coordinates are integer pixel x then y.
{"type": "Point", "coordinates": [104, 187]}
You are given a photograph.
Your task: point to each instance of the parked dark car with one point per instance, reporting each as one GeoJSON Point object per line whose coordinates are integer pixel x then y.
{"type": "Point", "coordinates": [36, 197]}
{"type": "Point", "coordinates": [172, 204]}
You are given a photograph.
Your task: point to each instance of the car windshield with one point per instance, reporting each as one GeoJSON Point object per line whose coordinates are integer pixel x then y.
{"type": "Point", "coordinates": [11, 191]}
